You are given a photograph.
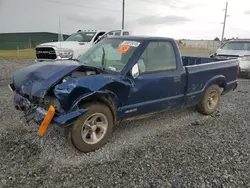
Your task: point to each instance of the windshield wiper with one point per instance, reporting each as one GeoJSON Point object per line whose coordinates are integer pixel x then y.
{"type": "Point", "coordinates": [103, 58]}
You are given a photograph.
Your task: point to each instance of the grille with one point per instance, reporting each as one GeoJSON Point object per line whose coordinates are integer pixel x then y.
{"type": "Point", "coordinates": [45, 53]}
{"type": "Point", "coordinates": [32, 99]}
{"type": "Point", "coordinates": [44, 103]}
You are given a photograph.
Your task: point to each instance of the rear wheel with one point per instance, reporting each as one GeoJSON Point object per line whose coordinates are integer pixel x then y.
{"type": "Point", "coordinates": [92, 130]}
{"type": "Point", "coordinates": [210, 100]}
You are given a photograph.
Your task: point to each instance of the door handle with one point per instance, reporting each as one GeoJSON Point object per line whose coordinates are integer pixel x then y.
{"type": "Point", "coordinates": [177, 78]}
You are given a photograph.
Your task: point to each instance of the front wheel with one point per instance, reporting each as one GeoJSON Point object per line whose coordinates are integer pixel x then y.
{"type": "Point", "coordinates": [210, 100]}
{"type": "Point", "coordinates": [92, 130]}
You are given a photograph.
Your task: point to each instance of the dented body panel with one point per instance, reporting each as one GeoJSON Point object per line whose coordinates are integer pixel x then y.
{"type": "Point", "coordinates": [126, 96]}
{"type": "Point", "coordinates": [73, 91]}
{"type": "Point", "coordinates": [36, 79]}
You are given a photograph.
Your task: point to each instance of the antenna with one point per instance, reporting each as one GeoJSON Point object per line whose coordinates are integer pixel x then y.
{"type": "Point", "coordinates": [123, 12]}
{"type": "Point", "coordinates": [224, 22]}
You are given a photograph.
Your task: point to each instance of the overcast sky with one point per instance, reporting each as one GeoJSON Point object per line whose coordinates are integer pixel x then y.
{"type": "Point", "coordinates": [194, 19]}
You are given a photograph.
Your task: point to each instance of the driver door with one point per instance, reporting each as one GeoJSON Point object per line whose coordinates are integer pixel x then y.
{"type": "Point", "coordinates": [158, 83]}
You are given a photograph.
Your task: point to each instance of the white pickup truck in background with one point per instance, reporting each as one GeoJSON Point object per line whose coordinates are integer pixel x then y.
{"type": "Point", "coordinates": [75, 45]}
{"type": "Point", "coordinates": [236, 49]}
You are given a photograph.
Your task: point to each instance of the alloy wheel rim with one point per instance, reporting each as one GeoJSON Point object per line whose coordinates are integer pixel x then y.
{"type": "Point", "coordinates": [212, 99]}
{"type": "Point", "coordinates": [94, 128]}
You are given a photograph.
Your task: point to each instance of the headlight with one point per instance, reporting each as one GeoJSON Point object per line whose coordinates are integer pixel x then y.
{"type": "Point", "coordinates": [245, 58]}
{"type": "Point", "coordinates": [65, 53]}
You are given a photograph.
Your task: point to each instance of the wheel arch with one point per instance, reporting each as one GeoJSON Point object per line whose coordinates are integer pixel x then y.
{"type": "Point", "coordinates": [219, 80]}
{"type": "Point", "coordinates": [107, 98]}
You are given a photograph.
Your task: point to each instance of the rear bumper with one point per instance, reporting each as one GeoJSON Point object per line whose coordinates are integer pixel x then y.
{"type": "Point", "coordinates": [37, 114]}
{"type": "Point", "coordinates": [235, 87]}
{"type": "Point", "coordinates": [231, 86]}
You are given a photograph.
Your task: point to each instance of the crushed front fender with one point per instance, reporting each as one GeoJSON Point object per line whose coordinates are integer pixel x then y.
{"type": "Point", "coordinates": [67, 119]}
{"type": "Point", "coordinates": [61, 120]}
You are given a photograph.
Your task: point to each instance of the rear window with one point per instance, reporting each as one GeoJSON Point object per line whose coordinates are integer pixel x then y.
{"type": "Point", "coordinates": [81, 36]}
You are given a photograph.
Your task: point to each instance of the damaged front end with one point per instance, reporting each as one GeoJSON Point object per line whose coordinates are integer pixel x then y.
{"type": "Point", "coordinates": [34, 92]}
{"type": "Point", "coordinates": [63, 87]}
{"type": "Point", "coordinates": [35, 109]}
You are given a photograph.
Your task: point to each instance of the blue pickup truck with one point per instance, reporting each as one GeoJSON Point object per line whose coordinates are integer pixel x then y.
{"type": "Point", "coordinates": [116, 79]}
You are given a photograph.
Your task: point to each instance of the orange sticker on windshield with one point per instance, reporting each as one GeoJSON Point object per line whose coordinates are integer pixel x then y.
{"type": "Point", "coordinates": [124, 48]}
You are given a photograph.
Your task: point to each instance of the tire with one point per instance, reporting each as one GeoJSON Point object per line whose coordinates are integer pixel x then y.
{"type": "Point", "coordinates": [81, 134]}
{"type": "Point", "coordinates": [208, 106]}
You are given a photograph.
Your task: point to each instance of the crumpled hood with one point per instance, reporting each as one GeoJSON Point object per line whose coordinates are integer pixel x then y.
{"type": "Point", "coordinates": [63, 44]}
{"type": "Point", "coordinates": [232, 52]}
{"type": "Point", "coordinates": [78, 88]}
{"type": "Point", "coordinates": [36, 79]}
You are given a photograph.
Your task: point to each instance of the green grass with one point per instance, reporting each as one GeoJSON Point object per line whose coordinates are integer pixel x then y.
{"type": "Point", "coordinates": [22, 54]}
{"type": "Point", "coordinates": [30, 53]}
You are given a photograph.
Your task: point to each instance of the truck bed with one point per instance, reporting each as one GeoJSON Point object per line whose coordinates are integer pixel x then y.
{"type": "Point", "coordinates": [202, 72]}
{"type": "Point", "coordinates": [190, 60]}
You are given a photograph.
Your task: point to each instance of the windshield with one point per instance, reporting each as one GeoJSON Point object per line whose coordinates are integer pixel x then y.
{"type": "Point", "coordinates": [237, 45]}
{"type": "Point", "coordinates": [81, 37]}
{"type": "Point", "coordinates": [110, 54]}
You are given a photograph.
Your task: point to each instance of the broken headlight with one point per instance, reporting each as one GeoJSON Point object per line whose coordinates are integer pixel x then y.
{"type": "Point", "coordinates": [51, 100]}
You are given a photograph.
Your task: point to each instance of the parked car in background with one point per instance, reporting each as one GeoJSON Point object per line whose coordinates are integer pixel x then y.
{"type": "Point", "coordinates": [118, 78]}
{"type": "Point", "coordinates": [236, 49]}
{"type": "Point", "coordinates": [75, 45]}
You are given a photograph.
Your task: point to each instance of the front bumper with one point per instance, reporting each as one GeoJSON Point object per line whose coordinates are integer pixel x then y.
{"type": "Point", "coordinates": [37, 114]}
{"type": "Point", "coordinates": [244, 72]}
{"type": "Point", "coordinates": [51, 60]}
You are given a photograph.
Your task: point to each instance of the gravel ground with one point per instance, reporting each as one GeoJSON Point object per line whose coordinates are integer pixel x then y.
{"type": "Point", "coordinates": [179, 148]}
{"type": "Point", "coordinates": [8, 67]}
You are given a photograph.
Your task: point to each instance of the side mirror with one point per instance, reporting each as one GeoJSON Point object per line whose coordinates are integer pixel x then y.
{"type": "Point", "coordinates": [135, 71]}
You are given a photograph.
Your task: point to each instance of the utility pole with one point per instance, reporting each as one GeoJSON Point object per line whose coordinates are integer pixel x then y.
{"type": "Point", "coordinates": [60, 31]}
{"type": "Point", "coordinates": [123, 9]}
{"type": "Point", "coordinates": [224, 23]}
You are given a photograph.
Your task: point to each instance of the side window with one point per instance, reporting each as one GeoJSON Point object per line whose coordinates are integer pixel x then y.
{"type": "Point", "coordinates": [158, 56]}
{"type": "Point", "coordinates": [98, 36]}
{"type": "Point", "coordinates": [114, 33]}
{"type": "Point", "coordinates": [118, 33]}
{"type": "Point", "coordinates": [125, 33]}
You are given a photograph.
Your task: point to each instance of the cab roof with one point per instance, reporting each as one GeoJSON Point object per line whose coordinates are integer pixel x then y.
{"type": "Point", "coordinates": [129, 37]}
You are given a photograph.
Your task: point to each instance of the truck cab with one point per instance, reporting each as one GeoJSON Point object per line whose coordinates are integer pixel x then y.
{"type": "Point", "coordinates": [75, 45]}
